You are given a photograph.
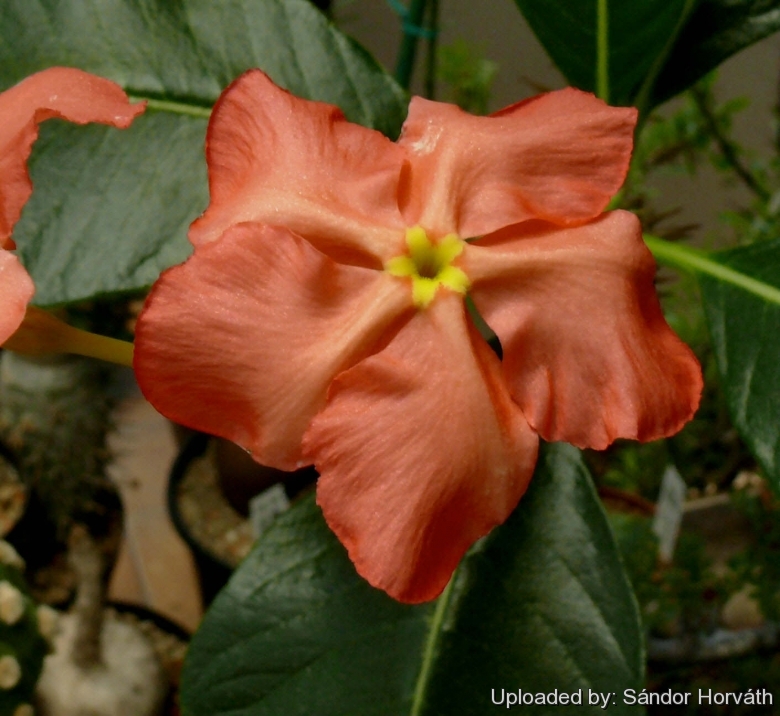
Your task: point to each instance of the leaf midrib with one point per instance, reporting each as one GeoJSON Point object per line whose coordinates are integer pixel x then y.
{"type": "Point", "coordinates": [642, 97]}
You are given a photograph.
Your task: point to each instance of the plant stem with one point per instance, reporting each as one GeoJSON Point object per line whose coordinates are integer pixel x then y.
{"type": "Point", "coordinates": [696, 261]}
{"type": "Point", "coordinates": [104, 348]}
{"type": "Point", "coordinates": [602, 50]}
{"type": "Point", "coordinates": [431, 59]}
{"type": "Point", "coordinates": [727, 148]}
{"type": "Point", "coordinates": [42, 333]}
{"type": "Point", "coordinates": [430, 651]}
{"type": "Point", "coordinates": [406, 55]}
{"type": "Point", "coordinates": [164, 105]}
{"type": "Point", "coordinates": [87, 561]}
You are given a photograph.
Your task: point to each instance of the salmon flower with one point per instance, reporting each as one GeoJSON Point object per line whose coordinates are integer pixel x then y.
{"type": "Point", "coordinates": [322, 317]}
{"type": "Point", "coordinates": [57, 92]}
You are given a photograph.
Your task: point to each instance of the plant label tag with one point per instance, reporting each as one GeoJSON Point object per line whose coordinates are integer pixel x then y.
{"type": "Point", "coordinates": [669, 512]}
{"type": "Point", "coordinates": [263, 508]}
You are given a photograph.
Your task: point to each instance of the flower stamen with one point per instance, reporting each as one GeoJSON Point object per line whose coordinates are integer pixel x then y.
{"type": "Point", "coordinates": [429, 265]}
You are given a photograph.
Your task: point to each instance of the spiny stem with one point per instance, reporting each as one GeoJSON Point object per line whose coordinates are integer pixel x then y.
{"type": "Point", "coordinates": [727, 148]}
{"type": "Point", "coordinates": [87, 562]}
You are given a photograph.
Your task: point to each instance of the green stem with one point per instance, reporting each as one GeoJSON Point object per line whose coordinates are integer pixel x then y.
{"type": "Point", "coordinates": [406, 55]}
{"type": "Point", "coordinates": [696, 261]}
{"type": "Point", "coordinates": [602, 50]}
{"type": "Point", "coordinates": [162, 105]}
{"type": "Point", "coordinates": [431, 648]}
{"type": "Point", "coordinates": [431, 58]}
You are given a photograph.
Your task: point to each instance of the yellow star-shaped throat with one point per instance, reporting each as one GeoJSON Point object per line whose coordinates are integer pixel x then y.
{"type": "Point", "coordinates": [429, 265]}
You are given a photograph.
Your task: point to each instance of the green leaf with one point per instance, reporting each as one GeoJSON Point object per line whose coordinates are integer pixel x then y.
{"type": "Point", "coordinates": [111, 208]}
{"type": "Point", "coordinates": [745, 331]}
{"type": "Point", "coordinates": [716, 30]}
{"type": "Point", "coordinates": [741, 292]}
{"type": "Point", "coordinates": [541, 604]}
{"type": "Point", "coordinates": [639, 33]}
{"type": "Point", "coordinates": [657, 48]}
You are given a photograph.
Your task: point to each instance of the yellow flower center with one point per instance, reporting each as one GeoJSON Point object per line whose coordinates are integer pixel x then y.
{"type": "Point", "coordinates": [429, 265]}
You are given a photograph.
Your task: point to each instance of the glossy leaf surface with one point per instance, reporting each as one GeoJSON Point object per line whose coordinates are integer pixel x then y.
{"type": "Point", "coordinates": [540, 604]}
{"type": "Point", "coordinates": [745, 329]}
{"type": "Point", "coordinates": [110, 208]}
{"type": "Point", "coordinates": [657, 48]}
{"type": "Point", "coordinates": [716, 30]}
{"type": "Point", "coordinates": [639, 32]}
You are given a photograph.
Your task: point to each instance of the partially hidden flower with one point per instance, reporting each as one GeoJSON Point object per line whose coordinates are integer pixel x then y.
{"type": "Point", "coordinates": [61, 92]}
{"type": "Point", "coordinates": [323, 317]}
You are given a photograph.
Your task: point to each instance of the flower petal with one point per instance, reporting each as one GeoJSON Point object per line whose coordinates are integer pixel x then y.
{"type": "Point", "coordinates": [587, 352]}
{"type": "Point", "coordinates": [282, 160]}
{"type": "Point", "coordinates": [243, 339]}
{"type": "Point", "coordinates": [16, 290]}
{"type": "Point", "coordinates": [421, 451]}
{"type": "Point", "coordinates": [57, 92]}
{"type": "Point", "coordinates": [558, 157]}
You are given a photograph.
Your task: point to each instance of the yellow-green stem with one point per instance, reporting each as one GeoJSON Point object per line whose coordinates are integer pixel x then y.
{"type": "Point", "coordinates": [164, 105]}
{"type": "Point", "coordinates": [42, 333]}
{"type": "Point", "coordinates": [431, 648]}
{"type": "Point", "coordinates": [93, 345]}
{"type": "Point", "coordinates": [697, 262]}
{"type": "Point", "coordinates": [602, 50]}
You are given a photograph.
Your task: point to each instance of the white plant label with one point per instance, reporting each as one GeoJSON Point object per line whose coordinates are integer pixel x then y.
{"type": "Point", "coordinates": [265, 506]}
{"type": "Point", "coordinates": [668, 512]}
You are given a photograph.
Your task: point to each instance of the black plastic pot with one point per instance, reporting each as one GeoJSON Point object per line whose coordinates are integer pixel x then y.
{"type": "Point", "coordinates": [240, 479]}
{"type": "Point", "coordinates": [162, 622]}
{"type": "Point", "coordinates": [213, 571]}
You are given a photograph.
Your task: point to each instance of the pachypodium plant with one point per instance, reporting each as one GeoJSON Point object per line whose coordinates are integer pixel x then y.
{"type": "Point", "coordinates": [26, 632]}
